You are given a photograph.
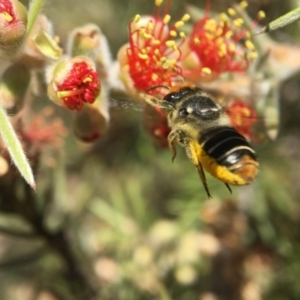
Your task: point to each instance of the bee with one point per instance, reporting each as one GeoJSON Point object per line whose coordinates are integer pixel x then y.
{"type": "Point", "coordinates": [201, 125]}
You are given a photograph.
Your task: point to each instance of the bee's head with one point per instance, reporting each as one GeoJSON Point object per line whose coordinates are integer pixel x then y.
{"type": "Point", "coordinates": [188, 104]}
{"type": "Point", "coordinates": [192, 105]}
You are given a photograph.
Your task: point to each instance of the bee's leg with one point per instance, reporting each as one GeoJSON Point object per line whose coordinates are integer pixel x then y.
{"type": "Point", "coordinates": [191, 150]}
{"type": "Point", "coordinates": [175, 136]}
{"type": "Point", "coordinates": [228, 188]}
{"type": "Point", "coordinates": [203, 179]}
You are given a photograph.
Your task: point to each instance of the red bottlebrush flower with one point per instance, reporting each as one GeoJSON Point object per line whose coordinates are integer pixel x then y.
{"type": "Point", "coordinates": [92, 121]}
{"type": "Point", "coordinates": [161, 55]}
{"type": "Point", "coordinates": [243, 117]}
{"type": "Point", "coordinates": [74, 83]}
{"type": "Point", "coordinates": [151, 58]}
{"type": "Point", "coordinates": [13, 22]}
{"type": "Point", "coordinates": [218, 45]}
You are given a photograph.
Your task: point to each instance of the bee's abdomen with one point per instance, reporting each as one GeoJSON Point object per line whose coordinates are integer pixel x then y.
{"type": "Point", "coordinates": [231, 150]}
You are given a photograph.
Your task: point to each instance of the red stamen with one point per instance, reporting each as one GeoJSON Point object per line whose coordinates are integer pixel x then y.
{"type": "Point", "coordinates": [82, 85]}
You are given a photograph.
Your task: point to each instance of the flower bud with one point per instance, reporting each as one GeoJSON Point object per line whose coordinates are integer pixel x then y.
{"type": "Point", "coordinates": [13, 22]}
{"type": "Point", "coordinates": [13, 87]}
{"type": "Point", "coordinates": [92, 121]}
{"type": "Point", "coordinates": [89, 40]}
{"type": "Point", "coordinates": [33, 55]}
{"type": "Point", "coordinates": [73, 82]}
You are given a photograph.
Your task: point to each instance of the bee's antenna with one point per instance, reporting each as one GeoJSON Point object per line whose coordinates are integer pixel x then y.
{"type": "Point", "coordinates": [156, 87]}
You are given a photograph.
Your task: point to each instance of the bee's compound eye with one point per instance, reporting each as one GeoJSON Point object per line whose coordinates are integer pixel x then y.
{"type": "Point", "coordinates": [183, 112]}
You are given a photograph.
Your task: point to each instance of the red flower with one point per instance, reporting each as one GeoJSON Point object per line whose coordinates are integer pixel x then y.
{"type": "Point", "coordinates": [82, 85]}
{"type": "Point", "coordinates": [74, 83]}
{"type": "Point", "coordinates": [161, 55]}
{"type": "Point", "coordinates": [219, 45]}
{"type": "Point", "coordinates": [153, 52]}
{"type": "Point", "coordinates": [243, 117]}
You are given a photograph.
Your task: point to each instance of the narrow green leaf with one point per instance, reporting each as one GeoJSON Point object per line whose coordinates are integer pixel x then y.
{"type": "Point", "coordinates": [14, 147]}
{"type": "Point", "coordinates": [34, 9]}
{"type": "Point", "coordinates": [282, 21]}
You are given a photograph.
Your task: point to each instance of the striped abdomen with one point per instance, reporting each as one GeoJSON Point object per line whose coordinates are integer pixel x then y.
{"type": "Point", "coordinates": [230, 150]}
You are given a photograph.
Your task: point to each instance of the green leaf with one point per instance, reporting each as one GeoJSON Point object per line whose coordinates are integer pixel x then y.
{"type": "Point", "coordinates": [282, 21]}
{"type": "Point", "coordinates": [14, 147]}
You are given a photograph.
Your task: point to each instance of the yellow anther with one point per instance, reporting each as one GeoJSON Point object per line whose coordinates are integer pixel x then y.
{"type": "Point", "coordinates": [243, 4]}
{"type": "Point", "coordinates": [231, 12]}
{"type": "Point", "coordinates": [228, 34]}
{"type": "Point", "coordinates": [185, 17]}
{"type": "Point", "coordinates": [182, 34]}
{"type": "Point", "coordinates": [206, 71]}
{"type": "Point", "coordinates": [143, 56]}
{"type": "Point", "coordinates": [165, 65]}
{"type": "Point", "coordinates": [156, 52]}
{"type": "Point", "coordinates": [252, 55]}
{"type": "Point", "coordinates": [163, 59]}
{"type": "Point", "coordinates": [156, 42]}
{"type": "Point", "coordinates": [247, 34]}
{"type": "Point", "coordinates": [250, 45]}
{"type": "Point", "coordinates": [87, 79]}
{"type": "Point", "coordinates": [171, 62]}
{"type": "Point", "coordinates": [150, 26]}
{"type": "Point", "coordinates": [210, 25]}
{"type": "Point", "coordinates": [196, 41]}
{"type": "Point", "coordinates": [147, 35]}
{"type": "Point", "coordinates": [179, 24]}
{"type": "Point", "coordinates": [219, 32]}
{"type": "Point", "coordinates": [170, 43]}
{"type": "Point", "coordinates": [209, 35]}
{"type": "Point", "coordinates": [261, 15]}
{"type": "Point", "coordinates": [167, 19]}
{"type": "Point", "coordinates": [231, 47]}
{"type": "Point", "coordinates": [223, 17]}
{"type": "Point", "coordinates": [173, 33]}
{"type": "Point", "coordinates": [158, 2]}
{"type": "Point", "coordinates": [136, 18]}
{"type": "Point", "coordinates": [223, 50]}
{"type": "Point", "coordinates": [219, 41]}
{"type": "Point", "coordinates": [154, 77]}
{"type": "Point", "coordinates": [238, 22]}
{"type": "Point", "coordinates": [8, 18]}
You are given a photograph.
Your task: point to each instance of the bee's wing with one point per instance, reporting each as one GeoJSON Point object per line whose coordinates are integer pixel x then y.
{"type": "Point", "coordinates": [124, 103]}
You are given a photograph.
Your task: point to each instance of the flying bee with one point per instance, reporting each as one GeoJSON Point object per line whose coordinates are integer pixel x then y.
{"type": "Point", "coordinates": [201, 125]}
